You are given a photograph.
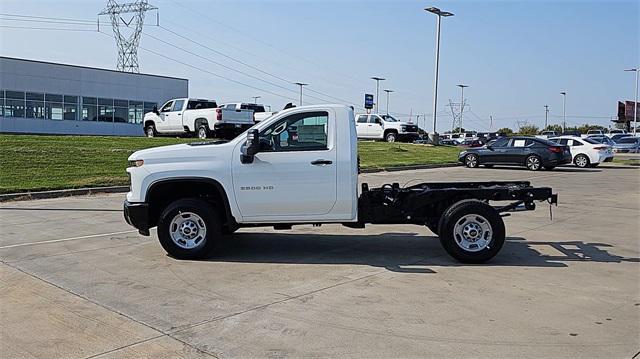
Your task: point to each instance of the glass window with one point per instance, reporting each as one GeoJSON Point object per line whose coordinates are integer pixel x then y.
{"type": "Point", "coordinates": [105, 110]}
{"type": "Point", "coordinates": [53, 110]}
{"type": "Point", "coordinates": [2, 106]}
{"type": "Point", "coordinates": [148, 106]}
{"type": "Point", "coordinates": [362, 119]}
{"type": "Point", "coordinates": [167, 107]}
{"type": "Point", "coordinates": [14, 108]}
{"type": "Point", "coordinates": [89, 101]}
{"type": "Point", "coordinates": [501, 142]}
{"type": "Point", "coordinates": [135, 111]}
{"type": "Point", "coordinates": [70, 99]}
{"type": "Point", "coordinates": [121, 103]}
{"type": "Point", "coordinates": [197, 104]}
{"type": "Point", "coordinates": [120, 114]}
{"type": "Point", "coordinates": [70, 111]}
{"type": "Point", "coordinates": [35, 96]}
{"type": "Point", "coordinates": [518, 143]}
{"type": "Point", "coordinates": [177, 105]}
{"type": "Point", "coordinates": [53, 98]}
{"type": "Point", "coordinates": [297, 132]}
{"type": "Point", "coordinates": [14, 95]}
{"type": "Point", "coordinates": [35, 109]}
{"type": "Point", "coordinates": [576, 143]}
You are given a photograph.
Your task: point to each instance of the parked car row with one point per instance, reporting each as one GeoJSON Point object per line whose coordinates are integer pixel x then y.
{"type": "Point", "coordinates": [536, 153]}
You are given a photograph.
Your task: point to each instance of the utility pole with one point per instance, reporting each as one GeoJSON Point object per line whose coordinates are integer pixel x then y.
{"type": "Point", "coordinates": [635, 104]}
{"type": "Point", "coordinates": [255, 98]}
{"type": "Point", "coordinates": [564, 111]}
{"type": "Point", "coordinates": [546, 116]}
{"type": "Point", "coordinates": [439, 14]}
{"type": "Point", "coordinates": [127, 44]}
{"type": "Point", "coordinates": [301, 84]}
{"type": "Point", "coordinates": [377, 79]}
{"type": "Point", "coordinates": [462, 103]}
{"type": "Point", "coordinates": [491, 123]}
{"type": "Point", "coordinates": [388, 92]}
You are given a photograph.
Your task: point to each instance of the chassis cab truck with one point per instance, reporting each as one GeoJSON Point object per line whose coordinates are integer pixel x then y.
{"type": "Point", "coordinates": [300, 166]}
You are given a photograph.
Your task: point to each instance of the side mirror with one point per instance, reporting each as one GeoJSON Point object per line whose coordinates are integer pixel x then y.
{"type": "Point", "coordinates": [251, 147]}
{"type": "Point", "coordinates": [155, 110]}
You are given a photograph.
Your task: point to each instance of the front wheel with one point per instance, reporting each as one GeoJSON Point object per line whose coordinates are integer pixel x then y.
{"type": "Point", "coordinates": [189, 229]}
{"type": "Point", "coordinates": [533, 163]}
{"type": "Point", "coordinates": [471, 160]}
{"type": "Point", "coordinates": [581, 161]}
{"type": "Point", "coordinates": [150, 131]}
{"type": "Point", "coordinates": [390, 137]}
{"type": "Point", "coordinates": [472, 231]}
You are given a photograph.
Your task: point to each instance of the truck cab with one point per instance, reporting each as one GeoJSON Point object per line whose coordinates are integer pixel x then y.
{"type": "Point", "coordinates": [385, 127]}
{"type": "Point", "coordinates": [300, 166]}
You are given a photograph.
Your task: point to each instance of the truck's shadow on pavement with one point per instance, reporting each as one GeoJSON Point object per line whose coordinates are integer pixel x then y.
{"type": "Point", "coordinates": [400, 252]}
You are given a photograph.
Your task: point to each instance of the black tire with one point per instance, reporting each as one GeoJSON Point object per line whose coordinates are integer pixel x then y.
{"type": "Point", "coordinates": [185, 207]}
{"type": "Point", "coordinates": [471, 160]}
{"type": "Point", "coordinates": [150, 131]}
{"type": "Point", "coordinates": [549, 168]}
{"type": "Point", "coordinates": [391, 136]}
{"type": "Point", "coordinates": [203, 132]}
{"type": "Point", "coordinates": [533, 163]}
{"type": "Point", "coordinates": [581, 161]}
{"type": "Point", "coordinates": [486, 218]}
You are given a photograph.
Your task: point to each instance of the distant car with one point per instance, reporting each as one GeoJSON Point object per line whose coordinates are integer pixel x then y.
{"type": "Point", "coordinates": [547, 134]}
{"type": "Point", "coordinates": [449, 142]}
{"type": "Point", "coordinates": [593, 133]}
{"type": "Point", "coordinates": [616, 132]}
{"type": "Point", "coordinates": [629, 144]}
{"type": "Point", "coordinates": [586, 152]}
{"type": "Point", "coordinates": [619, 136]}
{"type": "Point", "coordinates": [603, 139]}
{"type": "Point", "coordinates": [533, 153]}
{"type": "Point", "coordinates": [471, 143]}
{"type": "Point", "coordinates": [572, 133]}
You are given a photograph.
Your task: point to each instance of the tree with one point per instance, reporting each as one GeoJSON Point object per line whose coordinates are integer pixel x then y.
{"type": "Point", "coordinates": [529, 130]}
{"type": "Point", "coordinates": [556, 128]}
{"type": "Point", "coordinates": [505, 131]}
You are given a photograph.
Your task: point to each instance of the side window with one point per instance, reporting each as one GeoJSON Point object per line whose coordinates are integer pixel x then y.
{"type": "Point", "coordinates": [298, 132]}
{"type": "Point", "coordinates": [177, 105]}
{"type": "Point", "coordinates": [362, 119]}
{"type": "Point", "coordinates": [502, 142]}
{"type": "Point", "coordinates": [564, 142]}
{"type": "Point", "coordinates": [529, 142]}
{"type": "Point", "coordinates": [167, 107]}
{"type": "Point", "coordinates": [518, 143]}
{"type": "Point", "coordinates": [577, 143]}
{"type": "Point", "coordinates": [374, 119]}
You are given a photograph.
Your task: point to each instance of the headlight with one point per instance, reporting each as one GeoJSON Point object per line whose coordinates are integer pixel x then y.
{"type": "Point", "coordinates": [403, 128]}
{"type": "Point", "coordinates": [135, 163]}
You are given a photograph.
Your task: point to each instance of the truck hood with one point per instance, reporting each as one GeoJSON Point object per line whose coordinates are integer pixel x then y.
{"type": "Point", "coordinates": [183, 152]}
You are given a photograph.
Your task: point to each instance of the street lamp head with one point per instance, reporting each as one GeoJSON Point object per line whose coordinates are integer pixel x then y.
{"type": "Point", "coordinates": [378, 78]}
{"type": "Point", "coordinates": [463, 86]}
{"type": "Point", "coordinates": [634, 69]}
{"type": "Point", "coordinates": [438, 12]}
{"type": "Point", "coordinates": [563, 93]}
{"type": "Point", "coordinates": [388, 91]}
{"type": "Point", "coordinates": [300, 83]}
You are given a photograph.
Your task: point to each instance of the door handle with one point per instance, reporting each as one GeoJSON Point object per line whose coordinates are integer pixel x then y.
{"type": "Point", "coordinates": [179, 114]}
{"type": "Point", "coordinates": [321, 162]}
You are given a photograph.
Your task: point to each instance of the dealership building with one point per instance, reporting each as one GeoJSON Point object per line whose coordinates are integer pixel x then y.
{"type": "Point", "coordinates": [51, 98]}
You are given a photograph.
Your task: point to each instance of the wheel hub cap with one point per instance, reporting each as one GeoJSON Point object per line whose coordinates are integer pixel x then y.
{"type": "Point", "coordinates": [187, 230]}
{"type": "Point", "coordinates": [473, 233]}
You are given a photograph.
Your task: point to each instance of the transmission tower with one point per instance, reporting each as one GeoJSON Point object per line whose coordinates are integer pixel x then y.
{"type": "Point", "coordinates": [127, 33]}
{"type": "Point", "coordinates": [457, 108]}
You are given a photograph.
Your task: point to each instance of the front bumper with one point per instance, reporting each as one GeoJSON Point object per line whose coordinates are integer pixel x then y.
{"type": "Point", "coordinates": [231, 127]}
{"type": "Point", "coordinates": [137, 215]}
{"type": "Point", "coordinates": [408, 136]}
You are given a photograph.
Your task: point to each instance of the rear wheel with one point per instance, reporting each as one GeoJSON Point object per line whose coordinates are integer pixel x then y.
{"type": "Point", "coordinates": [533, 163]}
{"type": "Point", "coordinates": [472, 231]}
{"type": "Point", "coordinates": [581, 161]}
{"type": "Point", "coordinates": [471, 160]}
{"type": "Point", "coordinates": [189, 229]}
{"type": "Point", "coordinates": [203, 132]}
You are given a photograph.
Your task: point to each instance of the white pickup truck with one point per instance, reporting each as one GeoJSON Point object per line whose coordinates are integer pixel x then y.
{"type": "Point", "coordinates": [385, 127]}
{"type": "Point", "coordinates": [198, 117]}
{"type": "Point", "coordinates": [259, 112]}
{"type": "Point", "coordinates": [300, 166]}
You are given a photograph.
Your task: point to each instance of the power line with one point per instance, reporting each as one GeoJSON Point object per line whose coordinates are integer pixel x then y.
{"type": "Point", "coordinates": [46, 28]}
{"type": "Point", "coordinates": [50, 21]}
{"type": "Point", "coordinates": [47, 18]}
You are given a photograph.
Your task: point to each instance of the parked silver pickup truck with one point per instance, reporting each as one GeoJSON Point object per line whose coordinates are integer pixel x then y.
{"type": "Point", "coordinates": [198, 117]}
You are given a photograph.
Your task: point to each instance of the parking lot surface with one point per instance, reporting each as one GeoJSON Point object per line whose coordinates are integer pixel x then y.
{"type": "Point", "coordinates": [76, 281]}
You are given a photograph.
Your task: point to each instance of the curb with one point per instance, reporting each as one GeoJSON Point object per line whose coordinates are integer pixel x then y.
{"type": "Point", "coordinates": [408, 168]}
{"type": "Point", "coordinates": [25, 196]}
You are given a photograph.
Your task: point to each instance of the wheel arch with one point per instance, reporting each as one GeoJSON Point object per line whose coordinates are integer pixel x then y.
{"type": "Point", "coordinates": [147, 123]}
{"type": "Point", "coordinates": [163, 192]}
{"type": "Point", "coordinates": [199, 122]}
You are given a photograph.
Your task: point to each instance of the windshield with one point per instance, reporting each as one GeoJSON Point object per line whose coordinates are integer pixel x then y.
{"type": "Point", "coordinates": [389, 118]}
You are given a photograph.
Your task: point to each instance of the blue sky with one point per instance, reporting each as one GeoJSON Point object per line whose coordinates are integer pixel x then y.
{"type": "Point", "coordinates": [516, 56]}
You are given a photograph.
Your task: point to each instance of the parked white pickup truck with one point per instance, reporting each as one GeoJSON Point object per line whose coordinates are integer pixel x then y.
{"type": "Point", "coordinates": [197, 117]}
{"type": "Point", "coordinates": [259, 112]}
{"type": "Point", "coordinates": [300, 166]}
{"type": "Point", "coordinates": [385, 127]}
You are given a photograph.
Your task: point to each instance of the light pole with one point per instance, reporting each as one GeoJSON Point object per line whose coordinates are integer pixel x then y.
{"type": "Point", "coordinates": [635, 104]}
{"type": "Point", "coordinates": [546, 116]}
{"type": "Point", "coordinates": [255, 98]}
{"type": "Point", "coordinates": [440, 14]}
{"type": "Point", "coordinates": [388, 92]}
{"type": "Point", "coordinates": [564, 111]}
{"type": "Point", "coordinates": [378, 79]}
{"type": "Point", "coordinates": [461, 105]}
{"type": "Point", "coordinates": [301, 84]}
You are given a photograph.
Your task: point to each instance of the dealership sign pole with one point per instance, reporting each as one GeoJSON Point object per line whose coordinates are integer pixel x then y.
{"type": "Point", "coordinates": [635, 104]}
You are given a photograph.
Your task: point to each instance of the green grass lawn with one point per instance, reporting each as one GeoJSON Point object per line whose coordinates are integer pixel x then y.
{"type": "Point", "coordinates": [37, 163]}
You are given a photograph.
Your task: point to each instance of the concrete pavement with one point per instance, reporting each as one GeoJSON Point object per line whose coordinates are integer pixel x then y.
{"type": "Point", "coordinates": [76, 281]}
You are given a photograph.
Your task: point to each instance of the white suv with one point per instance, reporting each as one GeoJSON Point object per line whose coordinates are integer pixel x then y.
{"type": "Point", "coordinates": [385, 127]}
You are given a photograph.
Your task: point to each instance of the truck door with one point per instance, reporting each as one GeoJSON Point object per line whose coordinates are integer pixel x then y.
{"type": "Point", "coordinates": [174, 117]}
{"type": "Point", "coordinates": [163, 121]}
{"type": "Point", "coordinates": [362, 126]}
{"type": "Point", "coordinates": [294, 175]}
{"type": "Point", "coordinates": [376, 129]}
